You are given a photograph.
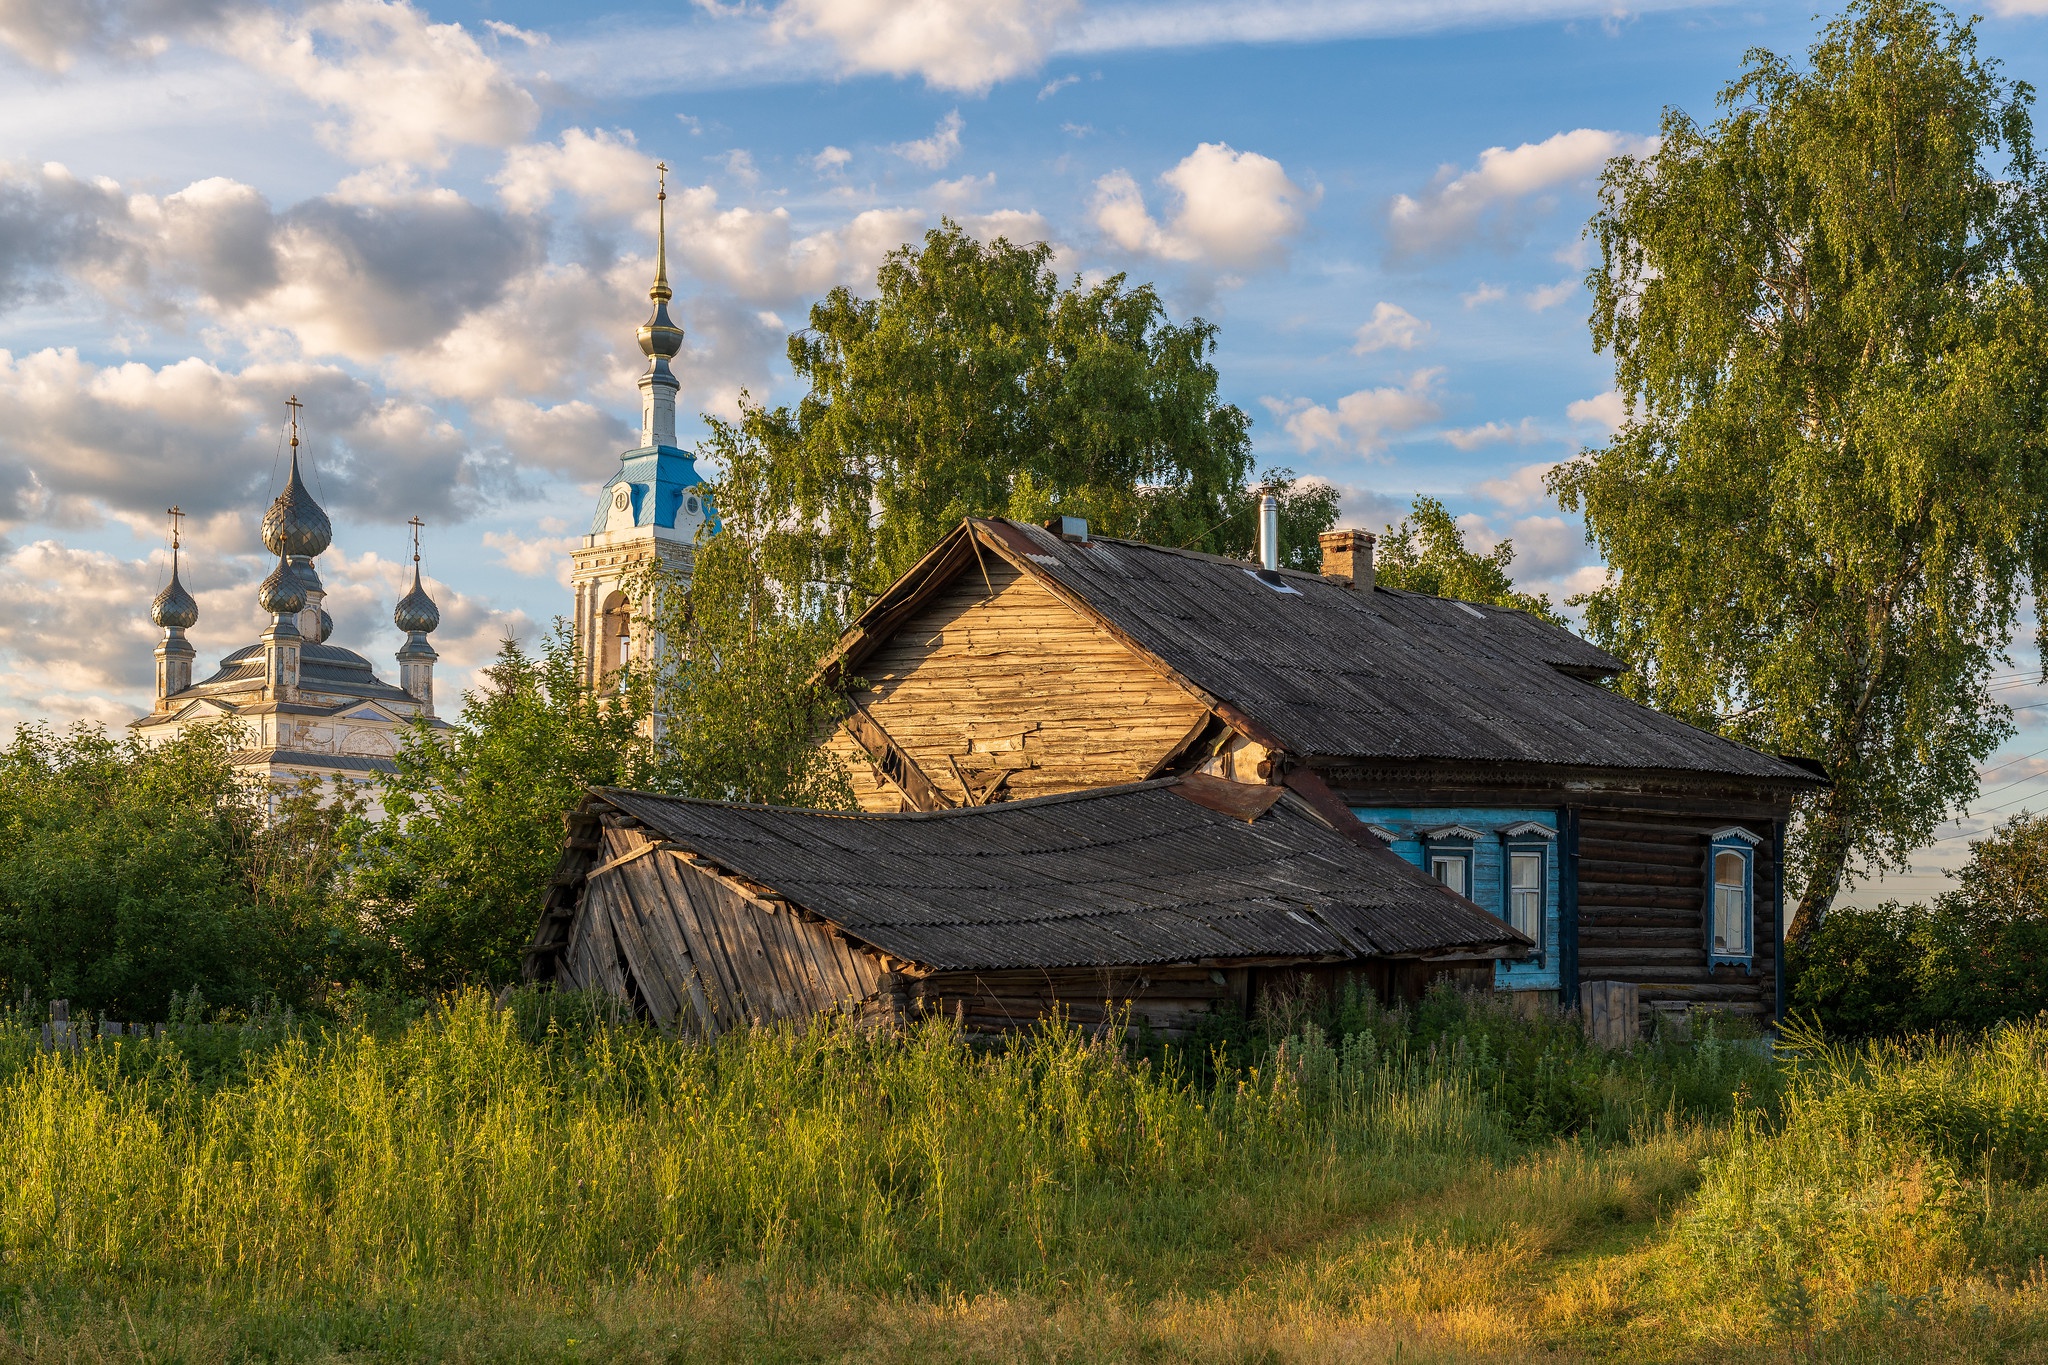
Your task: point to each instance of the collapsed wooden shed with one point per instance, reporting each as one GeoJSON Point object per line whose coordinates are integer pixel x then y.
{"type": "Point", "coordinates": [1172, 898]}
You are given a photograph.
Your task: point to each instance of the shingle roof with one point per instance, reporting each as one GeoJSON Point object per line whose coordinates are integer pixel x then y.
{"type": "Point", "coordinates": [1341, 674]}
{"type": "Point", "coordinates": [1119, 876]}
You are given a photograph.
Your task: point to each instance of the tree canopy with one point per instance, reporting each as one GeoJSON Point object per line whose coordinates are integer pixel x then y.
{"type": "Point", "coordinates": [129, 872]}
{"type": "Point", "coordinates": [1427, 553]}
{"type": "Point", "coordinates": [974, 384]}
{"type": "Point", "coordinates": [1826, 503]}
{"type": "Point", "coordinates": [473, 818]}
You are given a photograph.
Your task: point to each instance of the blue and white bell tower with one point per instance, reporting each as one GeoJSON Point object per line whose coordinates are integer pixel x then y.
{"type": "Point", "coordinates": [651, 509]}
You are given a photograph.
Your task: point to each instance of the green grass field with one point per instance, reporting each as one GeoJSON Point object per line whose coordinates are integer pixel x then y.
{"type": "Point", "coordinates": [1451, 1183]}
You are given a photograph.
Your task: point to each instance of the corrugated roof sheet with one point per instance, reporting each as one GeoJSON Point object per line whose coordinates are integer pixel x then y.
{"type": "Point", "coordinates": [1121, 876]}
{"type": "Point", "coordinates": [1338, 673]}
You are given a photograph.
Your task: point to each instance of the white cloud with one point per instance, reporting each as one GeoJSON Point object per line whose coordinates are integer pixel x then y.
{"type": "Point", "coordinates": [1550, 295]}
{"type": "Point", "coordinates": [1602, 409]}
{"type": "Point", "coordinates": [960, 192]}
{"type": "Point", "coordinates": [1053, 87]}
{"type": "Point", "coordinates": [534, 556]}
{"type": "Point", "coordinates": [1390, 325]}
{"type": "Point", "coordinates": [1361, 421]}
{"type": "Point", "coordinates": [1522, 489]}
{"type": "Point", "coordinates": [1461, 205]}
{"type": "Point", "coordinates": [966, 45]}
{"type": "Point", "coordinates": [937, 151]}
{"type": "Point", "coordinates": [1235, 209]}
{"type": "Point", "coordinates": [604, 170]}
{"type": "Point", "coordinates": [1521, 433]}
{"type": "Point", "coordinates": [1483, 294]}
{"type": "Point", "coordinates": [1018, 226]}
{"type": "Point", "coordinates": [758, 255]}
{"type": "Point", "coordinates": [830, 160]}
{"type": "Point", "coordinates": [79, 440]}
{"type": "Point", "coordinates": [407, 87]}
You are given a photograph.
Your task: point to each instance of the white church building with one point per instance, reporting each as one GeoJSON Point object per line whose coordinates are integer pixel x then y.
{"type": "Point", "coordinates": [313, 710]}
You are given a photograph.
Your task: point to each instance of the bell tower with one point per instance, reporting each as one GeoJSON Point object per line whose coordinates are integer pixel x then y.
{"type": "Point", "coordinates": [651, 510]}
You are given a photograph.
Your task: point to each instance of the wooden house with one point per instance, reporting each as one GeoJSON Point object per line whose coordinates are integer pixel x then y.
{"type": "Point", "coordinates": [1479, 744]}
{"type": "Point", "coordinates": [1168, 898]}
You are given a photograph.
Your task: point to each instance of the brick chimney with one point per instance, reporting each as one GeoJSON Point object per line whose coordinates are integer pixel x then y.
{"type": "Point", "coordinates": [1347, 558]}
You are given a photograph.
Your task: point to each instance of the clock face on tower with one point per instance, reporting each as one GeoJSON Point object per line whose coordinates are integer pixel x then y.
{"type": "Point", "coordinates": [621, 498]}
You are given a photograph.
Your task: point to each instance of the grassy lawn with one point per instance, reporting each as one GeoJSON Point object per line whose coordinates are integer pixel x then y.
{"type": "Point", "coordinates": [1447, 1184]}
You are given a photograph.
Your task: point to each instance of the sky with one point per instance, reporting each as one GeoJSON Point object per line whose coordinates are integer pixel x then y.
{"type": "Point", "coordinates": [434, 224]}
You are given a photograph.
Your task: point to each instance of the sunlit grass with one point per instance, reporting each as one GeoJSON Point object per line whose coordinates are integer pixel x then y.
{"type": "Point", "coordinates": [497, 1184]}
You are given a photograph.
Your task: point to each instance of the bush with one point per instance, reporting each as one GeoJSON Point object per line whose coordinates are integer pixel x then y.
{"type": "Point", "coordinates": [1975, 958]}
{"type": "Point", "coordinates": [128, 873]}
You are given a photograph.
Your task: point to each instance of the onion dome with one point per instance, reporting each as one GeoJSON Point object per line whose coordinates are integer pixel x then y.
{"type": "Point", "coordinates": [282, 593]}
{"type": "Point", "coordinates": [309, 577]}
{"type": "Point", "coordinates": [326, 626]}
{"type": "Point", "coordinates": [295, 524]}
{"type": "Point", "coordinates": [416, 613]}
{"type": "Point", "coordinates": [174, 608]}
{"type": "Point", "coordinates": [660, 338]}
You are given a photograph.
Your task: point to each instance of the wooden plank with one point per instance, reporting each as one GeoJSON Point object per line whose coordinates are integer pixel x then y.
{"type": "Point", "coordinates": [697, 917]}
{"type": "Point", "coordinates": [653, 898]}
{"type": "Point", "coordinates": [648, 976]}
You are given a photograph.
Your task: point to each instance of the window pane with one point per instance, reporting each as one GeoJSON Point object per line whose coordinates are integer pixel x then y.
{"type": "Point", "coordinates": [1525, 912]}
{"type": "Point", "coordinates": [1728, 869]}
{"type": "Point", "coordinates": [1526, 869]}
{"type": "Point", "coordinates": [1451, 872]}
{"type": "Point", "coordinates": [1731, 924]}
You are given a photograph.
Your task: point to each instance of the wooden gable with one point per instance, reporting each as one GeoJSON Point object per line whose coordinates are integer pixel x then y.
{"type": "Point", "coordinates": [993, 687]}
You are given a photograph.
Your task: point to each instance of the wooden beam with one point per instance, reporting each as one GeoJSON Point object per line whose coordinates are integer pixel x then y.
{"type": "Point", "coordinates": [892, 762]}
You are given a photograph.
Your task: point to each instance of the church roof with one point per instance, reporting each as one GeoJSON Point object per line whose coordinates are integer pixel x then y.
{"type": "Point", "coordinates": [322, 668]}
{"type": "Point", "coordinates": [660, 484]}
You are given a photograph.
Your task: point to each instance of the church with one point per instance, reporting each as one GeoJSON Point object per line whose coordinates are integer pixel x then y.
{"type": "Point", "coordinates": [312, 710]}
{"type": "Point", "coordinates": [309, 710]}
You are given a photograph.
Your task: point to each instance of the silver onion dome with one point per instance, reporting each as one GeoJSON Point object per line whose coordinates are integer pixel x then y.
{"type": "Point", "coordinates": [326, 626]}
{"type": "Point", "coordinates": [282, 593]}
{"type": "Point", "coordinates": [416, 612]}
{"type": "Point", "coordinates": [295, 524]}
{"type": "Point", "coordinates": [174, 608]}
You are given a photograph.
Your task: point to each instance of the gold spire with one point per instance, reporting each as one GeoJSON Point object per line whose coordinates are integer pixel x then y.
{"type": "Point", "coordinates": [294, 404]}
{"type": "Point", "coordinates": [661, 293]}
{"type": "Point", "coordinates": [415, 523]}
{"type": "Point", "coordinates": [177, 521]}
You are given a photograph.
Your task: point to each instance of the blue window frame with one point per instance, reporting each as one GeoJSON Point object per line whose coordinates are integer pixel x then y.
{"type": "Point", "coordinates": [1447, 856]}
{"type": "Point", "coordinates": [1525, 887]}
{"type": "Point", "coordinates": [1731, 896]}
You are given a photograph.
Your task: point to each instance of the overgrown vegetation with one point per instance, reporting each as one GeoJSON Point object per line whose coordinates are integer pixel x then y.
{"type": "Point", "coordinates": [1975, 957]}
{"type": "Point", "coordinates": [548, 1180]}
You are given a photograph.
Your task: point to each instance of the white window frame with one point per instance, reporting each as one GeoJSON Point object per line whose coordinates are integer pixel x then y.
{"type": "Point", "coordinates": [1525, 841]}
{"type": "Point", "coordinates": [1451, 843]}
{"type": "Point", "coordinates": [1742, 844]}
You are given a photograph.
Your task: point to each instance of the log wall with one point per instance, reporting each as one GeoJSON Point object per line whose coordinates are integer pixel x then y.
{"type": "Point", "coordinates": [1642, 902]}
{"type": "Point", "coordinates": [998, 681]}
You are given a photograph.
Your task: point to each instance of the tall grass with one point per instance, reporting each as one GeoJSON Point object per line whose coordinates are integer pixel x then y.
{"type": "Point", "coordinates": [456, 1150]}
{"type": "Point", "coordinates": [1889, 1174]}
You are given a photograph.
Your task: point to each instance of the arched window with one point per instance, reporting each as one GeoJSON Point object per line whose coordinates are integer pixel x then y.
{"type": "Point", "coordinates": [1731, 895]}
{"type": "Point", "coordinates": [614, 634]}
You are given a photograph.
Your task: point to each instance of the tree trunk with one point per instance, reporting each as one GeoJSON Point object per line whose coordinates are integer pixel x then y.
{"type": "Point", "coordinates": [1827, 842]}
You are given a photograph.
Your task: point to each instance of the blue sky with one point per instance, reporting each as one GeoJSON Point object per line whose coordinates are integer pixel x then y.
{"type": "Point", "coordinates": [433, 221]}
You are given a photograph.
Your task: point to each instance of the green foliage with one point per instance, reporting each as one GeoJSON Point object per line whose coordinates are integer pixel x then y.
{"type": "Point", "coordinates": [973, 384]}
{"type": "Point", "coordinates": [1887, 1169]}
{"type": "Point", "coordinates": [740, 714]}
{"type": "Point", "coordinates": [473, 818]}
{"type": "Point", "coordinates": [128, 873]}
{"type": "Point", "coordinates": [1427, 553]}
{"type": "Point", "coordinates": [1826, 503]}
{"type": "Point", "coordinates": [1977, 957]}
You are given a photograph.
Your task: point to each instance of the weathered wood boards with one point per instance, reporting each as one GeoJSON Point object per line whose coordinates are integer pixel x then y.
{"type": "Point", "coordinates": [1158, 902]}
{"type": "Point", "coordinates": [996, 678]}
{"type": "Point", "coordinates": [696, 953]}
